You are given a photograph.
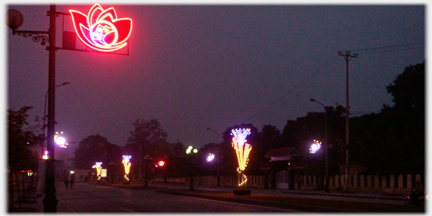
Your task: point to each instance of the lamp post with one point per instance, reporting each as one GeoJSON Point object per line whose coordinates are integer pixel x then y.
{"type": "Point", "coordinates": [191, 151]}
{"type": "Point", "coordinates": [218, 156]}
{"type": "Point", "coordinates": [15, 20]}
{"type": "Point", "coordinates": [147, 158]}
{"type": "Point", "coordinates": [44, 116]}
{"type": "Point", "coordinates": [325, 142]}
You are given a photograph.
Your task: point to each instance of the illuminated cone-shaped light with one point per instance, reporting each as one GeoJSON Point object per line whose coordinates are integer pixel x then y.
{"type": "Point", "coordinates": [242, 151]}
{"type": "Point", "coordinates": [98, 167]}
{"type": "Point", "coordinates": [127, 165]}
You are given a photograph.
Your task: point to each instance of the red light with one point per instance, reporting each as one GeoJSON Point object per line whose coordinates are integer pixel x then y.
{"type": "Point", "coordinates": [161, 163]}
{"type": "Point", "coordinates": [101, 29]}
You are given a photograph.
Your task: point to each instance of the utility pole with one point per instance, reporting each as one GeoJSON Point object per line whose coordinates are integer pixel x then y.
{"type": "Point", "coordinates": [50, 200]}
{"type": "Point", "coordinates": [347, 56]}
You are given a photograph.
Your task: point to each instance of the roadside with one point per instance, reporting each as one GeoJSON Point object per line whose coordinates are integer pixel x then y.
{"type": "Point", "coordinates": [277, 198]}
{"type": "Point", "coordinates": [307, 201]}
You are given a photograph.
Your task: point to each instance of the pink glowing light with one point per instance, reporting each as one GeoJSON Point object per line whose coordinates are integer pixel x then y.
{"type": "Point", "coordinates": [100, 29]}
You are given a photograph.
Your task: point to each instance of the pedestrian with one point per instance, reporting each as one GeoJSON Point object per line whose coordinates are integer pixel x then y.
{"type": "Point", "coordinates": [66, 181]}
{"type": "Point", "coordinates": [72, 179]}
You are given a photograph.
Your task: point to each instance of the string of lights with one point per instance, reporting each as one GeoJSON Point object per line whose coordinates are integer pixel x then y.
{"type": "Point", "coordinates": [242, 151]}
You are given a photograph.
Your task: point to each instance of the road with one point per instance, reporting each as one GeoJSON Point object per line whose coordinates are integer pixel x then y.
{"type": "Point", "coordinates": [358, 197]}
{"type": "Point", "coordinates": [90, 198]}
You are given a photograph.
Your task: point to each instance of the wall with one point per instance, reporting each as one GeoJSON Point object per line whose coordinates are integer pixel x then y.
{"type": "Point", "coordinates": [398, 184]}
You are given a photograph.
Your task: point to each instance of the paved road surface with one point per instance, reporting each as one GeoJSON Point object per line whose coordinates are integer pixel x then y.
{"type": "Point", "coordinates": [90, 198]}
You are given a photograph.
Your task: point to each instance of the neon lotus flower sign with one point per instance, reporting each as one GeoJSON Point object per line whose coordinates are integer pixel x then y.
{"type": "Point", "coordinates": [100, 29]}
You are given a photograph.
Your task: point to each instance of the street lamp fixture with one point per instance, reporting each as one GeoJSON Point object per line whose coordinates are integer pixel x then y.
{"type": "Point", "coordinates": [210, 157]}
{"type": "Point", "coordinates": [219, 156]}
{"type": "Point", "coordinates": [45, 116]}
{"type": "Point", "coordinates": [325, 142]}
{"type": "Point", "coordinates": [15, 20]}
{"type": "Point", "coordinates": [316, 145]}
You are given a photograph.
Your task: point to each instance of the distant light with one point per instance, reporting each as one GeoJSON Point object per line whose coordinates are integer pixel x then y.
{"type": "Point", "coordinates": [72, 172]}
{"type": "Point", "coordinates": [191, 149]}
{"type": "Point", "coordinates": [98, 167]}
{"type": "Point", "coordinates": [60, 140]}
{"type": "Point", "coordinates": [46, 155]}
{"type": "Point", "coordinates": [210, 157]}
{"type": "Point", "coordinates": [127, 164]}
{"type": "Point", "coordinates": [161, 163]}
{"type": "Point", "coordinates": [315, 147]}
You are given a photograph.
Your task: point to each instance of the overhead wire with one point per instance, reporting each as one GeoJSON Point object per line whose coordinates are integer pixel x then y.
{"type": "Point", "coordinates": [291, 90]}
{"type": "Point", "coordinates": [280, 100]}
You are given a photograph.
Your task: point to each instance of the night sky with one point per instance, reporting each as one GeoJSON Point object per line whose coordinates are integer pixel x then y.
{"type": "Point", "coordinates": [198, 66]}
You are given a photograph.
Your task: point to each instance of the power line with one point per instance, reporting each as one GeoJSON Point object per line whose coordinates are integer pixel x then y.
{"type": "Point", "coordinates": [290, 91]}
{"type": "Point", "coordinates": [392, 46]}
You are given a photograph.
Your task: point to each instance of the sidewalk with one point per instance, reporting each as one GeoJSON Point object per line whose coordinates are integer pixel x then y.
{"type": "Point", "coordinates": [384, 196]}
{"type": "Point", "coordinates": [34, 204]}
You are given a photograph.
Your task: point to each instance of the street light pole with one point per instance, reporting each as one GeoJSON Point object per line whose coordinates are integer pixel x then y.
{"type": "Point", "coordinates": [218, 155]}
{"type": "Point", "coordinates": [191, 151]}
{"type": "Point", "coordinates": [50, 200]}
{"type": "Point", "coordinates": [147, 158]}
{"type": "Point", "coordinates": [325, 142]}
{"type": "Point", "coordinates": [347, 56]}
{"type": "Point", "coordinates": [44, 116]}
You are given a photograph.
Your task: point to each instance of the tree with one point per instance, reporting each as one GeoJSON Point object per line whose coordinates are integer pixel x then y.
{"type": "Point", "coordinates": [20, 140]}
{"type": "Point", "coordinates": [395, 136]}
{"type": "Point", "coordinates": [408, 89]}
{"type": "Point", "coordinates": [96, 148]}
{"type": "Point", "coordinates": [271, 137]}
{"type": "Point", "coordinates": [150, 139]}
{"type": "Point", "coordinates": [301, 132]}
{"type": "Point", "coordinates": [406, 131]}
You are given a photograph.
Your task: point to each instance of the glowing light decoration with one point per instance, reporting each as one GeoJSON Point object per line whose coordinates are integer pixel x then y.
{"type": "Point", "coordinates": [161, 163]}
{"type": "Point", "coordinates": [100, 29]}
{"type": "Point", "coordinates": [242, 151]}
{"type": "Point", "coordinates": [191, 149]}
{"type": "Point", "coordinates": [60, 140]}
{"type": "Point", "coordinates": [46, 155]}
{"type": "Point", "coordinates": [315, 147]}
{"type": "Point", "coordinates": [210, 157]}
{"type": "Point", "coordinates": [127, 164]}
{"type": "Point", "coordinates": [98, 167]}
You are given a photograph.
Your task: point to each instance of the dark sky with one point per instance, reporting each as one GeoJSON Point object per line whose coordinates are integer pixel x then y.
{"type": "Point", "coordinates": [193, 67]}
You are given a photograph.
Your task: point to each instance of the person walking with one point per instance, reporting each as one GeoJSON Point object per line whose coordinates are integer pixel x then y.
{"type": "Point", "coordinates": [66, 180]}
